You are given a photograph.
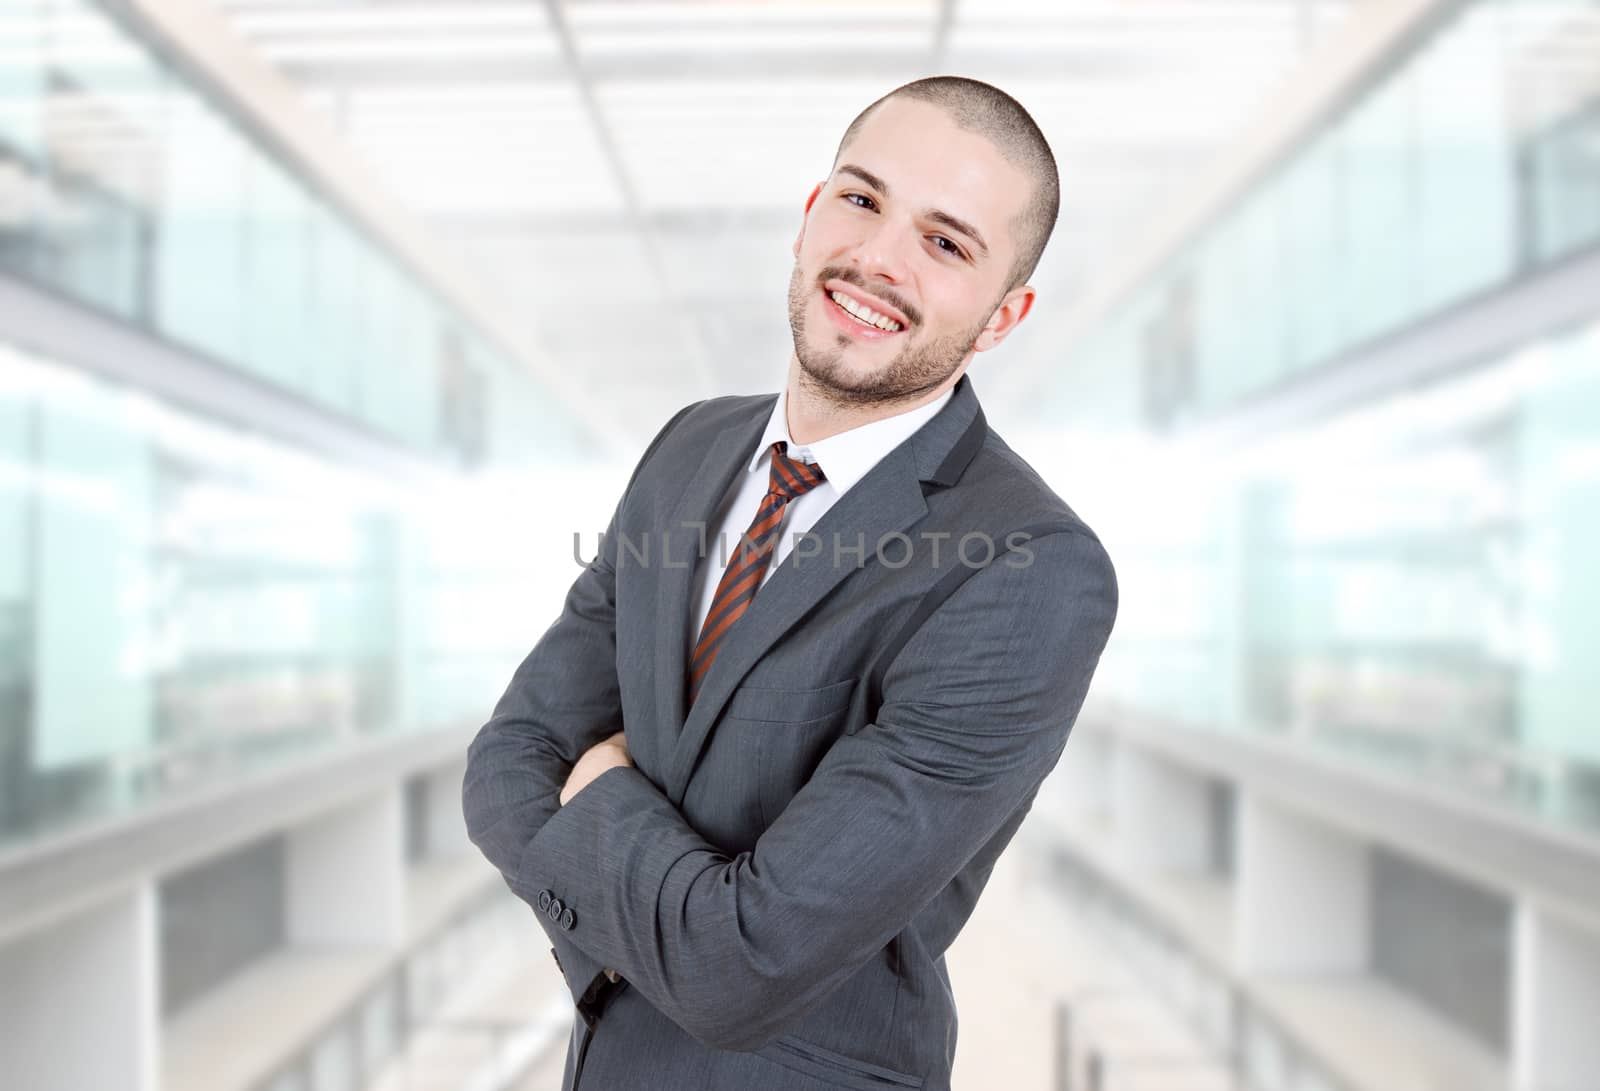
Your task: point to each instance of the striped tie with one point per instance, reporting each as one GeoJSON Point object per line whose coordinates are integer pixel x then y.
{"type": "Point", "coordinates": [748, 562]}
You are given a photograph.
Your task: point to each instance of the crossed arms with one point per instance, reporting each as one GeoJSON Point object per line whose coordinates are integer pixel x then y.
{"type": "Point", "coordinates": [976, 709]}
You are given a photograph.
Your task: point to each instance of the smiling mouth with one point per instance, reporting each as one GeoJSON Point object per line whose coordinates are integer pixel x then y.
{"type": "Point", "coordinates": [863, 314]}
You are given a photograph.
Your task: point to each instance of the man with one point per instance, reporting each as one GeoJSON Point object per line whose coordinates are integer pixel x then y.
{"type": "Point", "coordinates": [753, 793]}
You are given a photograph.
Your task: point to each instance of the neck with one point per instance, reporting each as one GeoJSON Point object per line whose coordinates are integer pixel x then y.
{"type": "Point", "coordinates": [815, 413]}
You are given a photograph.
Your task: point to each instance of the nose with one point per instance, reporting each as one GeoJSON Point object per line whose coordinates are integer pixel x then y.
{"type": "Point", "coordinates": [881, 254]}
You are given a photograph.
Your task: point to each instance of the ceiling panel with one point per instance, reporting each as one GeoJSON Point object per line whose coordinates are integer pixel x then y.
{"type": "Point", "coordinates": [632, 173]}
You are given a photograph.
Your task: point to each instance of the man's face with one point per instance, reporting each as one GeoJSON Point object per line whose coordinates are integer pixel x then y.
{"type": "Point", "coordinates": [914, 225]}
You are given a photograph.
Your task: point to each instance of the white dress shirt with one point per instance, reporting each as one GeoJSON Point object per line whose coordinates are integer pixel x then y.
{"type": "Point", "coordinates": [845, 459]}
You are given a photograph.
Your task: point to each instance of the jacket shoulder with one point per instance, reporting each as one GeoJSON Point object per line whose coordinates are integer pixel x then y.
{"type": "Point", "coordinates": [725, 409]}
{"type": "Point", "coordinates": [693, 425]}
{"type": "Point", "coordinates": [1005, 484]}
{"type": "Point", "coordinates": [709, 416]}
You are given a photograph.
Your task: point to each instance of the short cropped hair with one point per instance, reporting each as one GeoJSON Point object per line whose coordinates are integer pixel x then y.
{"type": "Point", "coordinates": [984, 109]}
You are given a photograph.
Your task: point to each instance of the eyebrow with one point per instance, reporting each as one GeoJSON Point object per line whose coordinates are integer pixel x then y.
{"type": "Point", "coordinates": [936, 215]}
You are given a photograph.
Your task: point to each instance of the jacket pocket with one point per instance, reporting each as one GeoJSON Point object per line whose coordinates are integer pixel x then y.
{"type": "Point", "coordinates": [837, 1068]}
{"type": "Point", "coordinates": [784, 705]}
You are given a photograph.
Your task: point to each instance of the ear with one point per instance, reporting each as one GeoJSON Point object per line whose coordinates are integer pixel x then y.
{"type": "Point", "coordinates": [1014, 307]}
{"type": "Point", "coordinates": [811, 200]}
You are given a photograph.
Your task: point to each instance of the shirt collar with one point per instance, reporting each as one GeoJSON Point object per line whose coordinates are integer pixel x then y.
{"type": "Point", "coordinates": [846, 457]}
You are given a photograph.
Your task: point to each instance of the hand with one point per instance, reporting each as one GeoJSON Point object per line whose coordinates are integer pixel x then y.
{"type": "Point", "coordinates": [603, 755]}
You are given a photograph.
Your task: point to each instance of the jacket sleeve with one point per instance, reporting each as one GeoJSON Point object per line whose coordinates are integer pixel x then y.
{"type": "Point", "coordinates": [976, 710]}
{"type": "Point", "coordinates": [562, 699]}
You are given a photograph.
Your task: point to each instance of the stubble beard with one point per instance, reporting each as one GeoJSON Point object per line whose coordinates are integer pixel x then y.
{"type": "Point", "coordinates": [911, 373]}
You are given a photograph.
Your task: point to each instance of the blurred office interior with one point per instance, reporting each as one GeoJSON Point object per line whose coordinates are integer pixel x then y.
{"type": "Point", "coordinates": [327, 325]}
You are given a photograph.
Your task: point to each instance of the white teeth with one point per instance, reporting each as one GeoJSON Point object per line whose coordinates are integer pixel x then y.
{"type": "Point", "coordinates": [865, 313]}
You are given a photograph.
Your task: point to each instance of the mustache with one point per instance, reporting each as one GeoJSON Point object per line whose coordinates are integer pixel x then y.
{"type": "Point", "coordinates": [857, 281]}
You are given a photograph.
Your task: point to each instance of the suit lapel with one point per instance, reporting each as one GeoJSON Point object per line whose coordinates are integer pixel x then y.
{"type": "Point", "coordinates": [888, 500]}
{"type": "Point", "coordinates": [709, 482]}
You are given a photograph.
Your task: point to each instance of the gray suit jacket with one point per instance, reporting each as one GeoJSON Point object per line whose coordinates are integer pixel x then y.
{"type": "Point", "coordinates": [778, 876]}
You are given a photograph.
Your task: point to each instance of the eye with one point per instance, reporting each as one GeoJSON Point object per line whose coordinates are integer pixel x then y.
{"type": "Point", "coordinates": [949, 247]}
{"type": "Point", "coordinates": [851, 197]}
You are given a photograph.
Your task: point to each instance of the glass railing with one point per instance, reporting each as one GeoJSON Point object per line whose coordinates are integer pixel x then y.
{"type": "Point", "coordinates": [1468, 163]}
{"type": "Point", "coordinates": [181, 601]}
{"type": "Point", "coordinates": [126, 187]}
{"type": "Point", "coordinates": [1410, 585]}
